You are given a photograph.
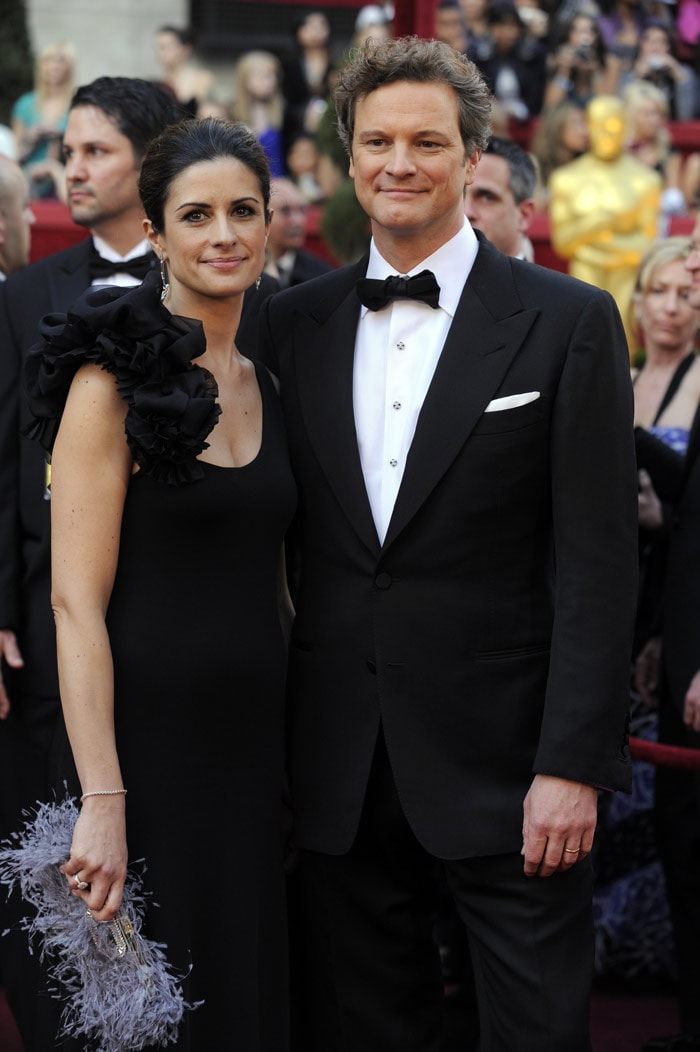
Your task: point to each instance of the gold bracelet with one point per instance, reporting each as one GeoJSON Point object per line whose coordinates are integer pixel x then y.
{"type": "Point", "coordinates": [104, 792]}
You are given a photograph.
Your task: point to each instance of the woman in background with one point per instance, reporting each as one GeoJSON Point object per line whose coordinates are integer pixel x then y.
{"type": "Point", "coordinates": [189, 84]}
{"type": "Point", "coordinates": [39, 120]}
{"type": "Point", "coordinates": [259, 103]}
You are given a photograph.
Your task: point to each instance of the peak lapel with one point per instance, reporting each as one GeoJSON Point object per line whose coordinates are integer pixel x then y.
{"type": "Point", "coordinates": [487, 332]}
{"type": "Point", "coordinates": [325, 351]}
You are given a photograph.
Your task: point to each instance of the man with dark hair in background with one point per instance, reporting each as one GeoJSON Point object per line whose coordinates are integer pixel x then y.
{"type": "Point", "coordinates": [500, 201]}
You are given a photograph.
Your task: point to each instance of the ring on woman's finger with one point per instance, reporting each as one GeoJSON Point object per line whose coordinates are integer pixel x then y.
{"type": "Point", "coordinates": [81, 885]}
{"type": "Point", "coordinates": [572, 850]}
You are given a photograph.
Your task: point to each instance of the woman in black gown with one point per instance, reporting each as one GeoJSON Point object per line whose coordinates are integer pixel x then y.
{"type": "Point", "coordinates": [171, 493]}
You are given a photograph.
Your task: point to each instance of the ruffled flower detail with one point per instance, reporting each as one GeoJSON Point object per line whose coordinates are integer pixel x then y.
{"type": "Point", "coordinates": [172, 405]}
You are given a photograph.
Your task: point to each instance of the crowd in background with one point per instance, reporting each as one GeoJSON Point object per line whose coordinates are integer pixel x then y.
{"type": "Point", "coordinates": [544, 61]}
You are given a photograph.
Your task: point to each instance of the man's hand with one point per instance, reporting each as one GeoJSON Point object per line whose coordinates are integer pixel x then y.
{"type": "Point", "coordinates": [691, 707]}
{"type": "Point", "coordinates": [559, 820]}
{"type": "Point", "coordinates": [651, 516]}
{"type": "Point", "coordinates": [9, 651]}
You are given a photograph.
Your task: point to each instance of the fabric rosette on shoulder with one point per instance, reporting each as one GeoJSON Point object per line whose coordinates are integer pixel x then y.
{"type": "Point", "coordinates": [118, 990]}
{"type": "Point", "coordinates": [171, 401]}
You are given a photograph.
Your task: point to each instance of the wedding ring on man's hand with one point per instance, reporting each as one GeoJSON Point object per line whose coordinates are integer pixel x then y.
{"type": "Point", "coordinates": [81, 885]}
{"type": "Point", "coordinates": [572, 850]}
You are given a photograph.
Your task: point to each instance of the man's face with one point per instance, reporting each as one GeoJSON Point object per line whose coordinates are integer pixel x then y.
{"type": "Point", "coordinates": [101, 172]}
{"type": "Point", "coordinates": [491, 207]}
{"type": "Point", "coordinates": [16, 218]}
{"type": "Point", "coordinates": [692, 265]}
{"type": "Point", "coordinates": [409, 164]}
{"type": "Point", "coordinates": [288, 226]}
{"type": "Point", "coordinates": [449, 27]}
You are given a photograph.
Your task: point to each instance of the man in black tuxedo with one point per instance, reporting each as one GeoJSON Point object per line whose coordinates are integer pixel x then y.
{"type": "Point", "coordinates": [458, 672]}
{"type": "Point", "coordinates": [289, 261]}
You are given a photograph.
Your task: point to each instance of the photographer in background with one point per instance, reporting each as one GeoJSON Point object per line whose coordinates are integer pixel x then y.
{"type": "Point", "coordinates": [656, 63]}
{"type": "Point", "coordinates": [579, 66]}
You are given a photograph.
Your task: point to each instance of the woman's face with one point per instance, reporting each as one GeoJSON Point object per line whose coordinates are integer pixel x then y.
{"type": "Point", "coordinates": [314, 31]}
{"type": "Point", "coordinates": [654, 42]}
{"type": "Point", "coordinates": [666, 318]}
{"type": "Point", "coordinates": [261, 81]}
{"type": "Point", "coordinates": [648, 119]}
{"type": "Point", "coordinates": [169, 51]}
{"type": "Point", "coordinates": [214, 232]}
{"type": "Point", "coordinates": [574, 132]}
{"type": "Point", "coordinates": [582, 33]}
{"type": "Point", "coordinates": [55, 68]}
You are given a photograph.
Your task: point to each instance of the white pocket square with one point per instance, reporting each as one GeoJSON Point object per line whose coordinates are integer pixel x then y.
{"type": "Point", "coordinates": [511, 401]}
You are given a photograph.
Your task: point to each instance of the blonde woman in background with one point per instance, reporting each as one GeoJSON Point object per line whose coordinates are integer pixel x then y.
{"type": "Point", "coordinates": [39, 119]}
{"type": "Point", "coordinates": [259, 103]}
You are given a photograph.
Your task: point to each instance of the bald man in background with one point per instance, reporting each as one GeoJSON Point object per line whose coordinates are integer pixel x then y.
{"type": "Point", "coordinates": [16, 218]}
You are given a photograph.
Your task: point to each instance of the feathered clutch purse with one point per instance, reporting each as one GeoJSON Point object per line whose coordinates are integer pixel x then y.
{"type": "Point", "coordinates": [118, 990]}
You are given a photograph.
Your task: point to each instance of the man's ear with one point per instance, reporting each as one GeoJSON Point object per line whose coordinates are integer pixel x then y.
{"type": "Point", "coordinates": [527, 210]}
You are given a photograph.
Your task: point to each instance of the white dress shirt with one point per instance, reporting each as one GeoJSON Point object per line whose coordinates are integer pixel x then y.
{"type": "Point", "coordinates": [396, 353]}
{"type": "Point", "coordinates": [125, 281]}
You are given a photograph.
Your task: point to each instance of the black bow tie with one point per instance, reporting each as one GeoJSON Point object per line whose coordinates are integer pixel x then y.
{"type": "Point", "coordinates": [378, 294]}
{"type": "Point", "coordinates": [139, 266]}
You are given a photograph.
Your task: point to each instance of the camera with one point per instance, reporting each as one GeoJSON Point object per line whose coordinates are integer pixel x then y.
{"type": "Point", "coordinates": [584, 53]}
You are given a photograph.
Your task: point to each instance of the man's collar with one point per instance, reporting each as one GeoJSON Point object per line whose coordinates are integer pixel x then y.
{"type": "Point", "coordinates": [107, 252]}
{"type": "Point", "coordinates": [450, 264]}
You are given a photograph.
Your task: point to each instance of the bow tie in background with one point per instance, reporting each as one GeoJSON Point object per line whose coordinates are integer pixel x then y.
{"type": "Point", "coordinates": [139, 266]}
{"type": "Point", "coordinates": [377, 294]}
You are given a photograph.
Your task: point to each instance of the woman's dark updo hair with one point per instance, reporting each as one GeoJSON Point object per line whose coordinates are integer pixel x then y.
{"type": "Point", "coordinates": [191, 142]}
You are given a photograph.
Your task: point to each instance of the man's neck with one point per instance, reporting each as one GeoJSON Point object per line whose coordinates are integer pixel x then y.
{"type": "Point", "coordinates": [121, 237]}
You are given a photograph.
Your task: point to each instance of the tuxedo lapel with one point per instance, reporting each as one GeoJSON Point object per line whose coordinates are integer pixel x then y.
{"type": "Point", "coordinates": [70, 277]}
{"type": "Point", "coordinates": [324, 364]}
{"type": "Point", "coordinates": [487, 332]}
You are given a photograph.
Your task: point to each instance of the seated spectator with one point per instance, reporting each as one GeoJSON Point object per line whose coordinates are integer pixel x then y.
{"type": "Point", "coordinates": [621, 27]}
{"type": "Point", "coordinates": [39, 120]}
{"type": "Point", "coordinates": [306, 76]}
{"type": "Point", "coordinates": [514, 66]}
{"type": "Point", "coordinates": [649, 140]}
{"type": "Point", "coordinates": [287, 259]}
{"type": "Point", "coordinates": [16, 218]}
{"type": "Point", "coordinates": [656, 64]}
{"type": "Point", "coordinates": [449, 25]}
{"type": "Point", "coordinates": [189, 84]}
{"type": "Point", "coordinates": [302, 167]}
{"type": "Point", "coordinates": [475, 15]}
{"type": "Point", "coordinates": [561, 136]}
{"type": "Point", "coordinates": [579, 67]}
{"type": "Point", "coordinates": [373, 21]}
{"type": "Point", "coordinates": [500, 201]}
{"type": "Point", "coordinates": [259, 103]}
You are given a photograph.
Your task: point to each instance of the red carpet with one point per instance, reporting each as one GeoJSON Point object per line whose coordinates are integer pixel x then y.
{"type": "Point", "coordinates": [620, 1021]}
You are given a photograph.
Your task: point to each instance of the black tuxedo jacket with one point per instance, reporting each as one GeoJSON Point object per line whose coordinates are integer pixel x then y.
{"type": "Point", "coordinates": [50, 285]}
{"type": "Point", "coordinates": [491, 632]}
{"type": "Point", "coordinates": [306, 266]}
{"type": "Point", "coordinates": [677, 480]}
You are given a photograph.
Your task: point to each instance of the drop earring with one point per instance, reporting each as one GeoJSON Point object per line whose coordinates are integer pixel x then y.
{"type": "Point", "coordinates": [257, 282]}
{"type": "Point", "coordinates": [164, 280]}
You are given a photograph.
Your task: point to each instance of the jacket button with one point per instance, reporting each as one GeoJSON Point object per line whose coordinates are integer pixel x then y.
{"type": "Point", "coordinates": [372, 667]}
{"type": "Point", "coordinates": [383, 581]}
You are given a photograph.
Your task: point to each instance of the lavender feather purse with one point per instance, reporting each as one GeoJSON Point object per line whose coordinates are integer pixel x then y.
{"type": "Point", "coordinates": [118, 989]}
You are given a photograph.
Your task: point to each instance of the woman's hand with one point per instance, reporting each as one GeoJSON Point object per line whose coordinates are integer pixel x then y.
{"type": "Point", "coordinates": [98, 856]}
